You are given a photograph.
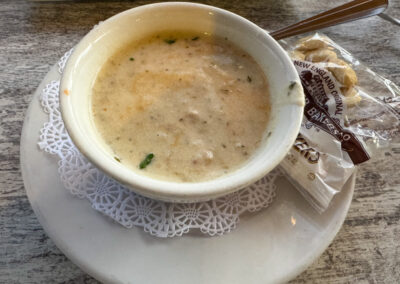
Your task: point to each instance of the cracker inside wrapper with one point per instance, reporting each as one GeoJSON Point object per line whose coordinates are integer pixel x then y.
{"type": "Point", "coordinates": [351, 114]}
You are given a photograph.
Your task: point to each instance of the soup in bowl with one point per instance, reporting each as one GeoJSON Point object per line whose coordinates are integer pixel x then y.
{"type": "Point", "coordinates": [181, 102]}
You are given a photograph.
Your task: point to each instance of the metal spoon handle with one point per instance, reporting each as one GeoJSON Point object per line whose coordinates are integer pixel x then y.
{"type": "Point", "coordinates": [345, 13]}
{"type": "Point", "coordinates": [390, 18]}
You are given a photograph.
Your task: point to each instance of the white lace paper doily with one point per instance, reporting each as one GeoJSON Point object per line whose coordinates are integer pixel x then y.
{"type": "Point", "coordinates": [158, 218]}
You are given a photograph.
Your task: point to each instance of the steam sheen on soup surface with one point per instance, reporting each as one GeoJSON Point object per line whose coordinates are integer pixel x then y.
{"type": "Point", "coordinates": [181, 106]}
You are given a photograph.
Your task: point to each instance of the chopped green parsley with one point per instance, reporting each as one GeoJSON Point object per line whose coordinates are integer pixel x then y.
{"type": "Point", "coordinates": [146, 161]}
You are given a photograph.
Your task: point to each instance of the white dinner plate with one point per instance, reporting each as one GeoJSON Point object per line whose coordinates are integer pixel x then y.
{"type": "Point", "coordinates": [270, 246]}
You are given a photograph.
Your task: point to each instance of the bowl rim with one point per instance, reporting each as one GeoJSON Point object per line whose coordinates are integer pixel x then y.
{"type": "Point", "coordinates": [163, 189]}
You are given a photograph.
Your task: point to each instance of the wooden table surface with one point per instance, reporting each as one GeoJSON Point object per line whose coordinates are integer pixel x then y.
{"type": "Point", "coordinates": [34, 35]}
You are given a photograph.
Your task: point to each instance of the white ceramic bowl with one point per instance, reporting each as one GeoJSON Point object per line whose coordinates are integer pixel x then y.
{"type": "Point", "coordinates": [286, 97]}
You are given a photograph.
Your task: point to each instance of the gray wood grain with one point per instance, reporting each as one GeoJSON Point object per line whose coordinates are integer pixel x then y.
{"type": "Point", "coordinates": [34, 35]}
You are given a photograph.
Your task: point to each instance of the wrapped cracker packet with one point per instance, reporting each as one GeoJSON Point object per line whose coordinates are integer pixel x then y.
{"type": "Point", "coordinates": [350, 114]}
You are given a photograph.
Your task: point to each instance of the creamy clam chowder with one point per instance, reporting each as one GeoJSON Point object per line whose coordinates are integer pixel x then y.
{"type": "Point", "coordinates": [181, 106]}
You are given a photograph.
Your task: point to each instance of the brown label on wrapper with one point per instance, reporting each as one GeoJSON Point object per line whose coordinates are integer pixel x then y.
{"type": "Point", "coordinates": [321, 119]}
{"type": "Point", "coordinates": [324, 108]}
{"type": "Point", "coordinates": [308, 152]}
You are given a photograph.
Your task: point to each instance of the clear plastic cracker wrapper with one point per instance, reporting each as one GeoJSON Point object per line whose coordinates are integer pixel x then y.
{"type": "Point", "coordinates": [350, 115]}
